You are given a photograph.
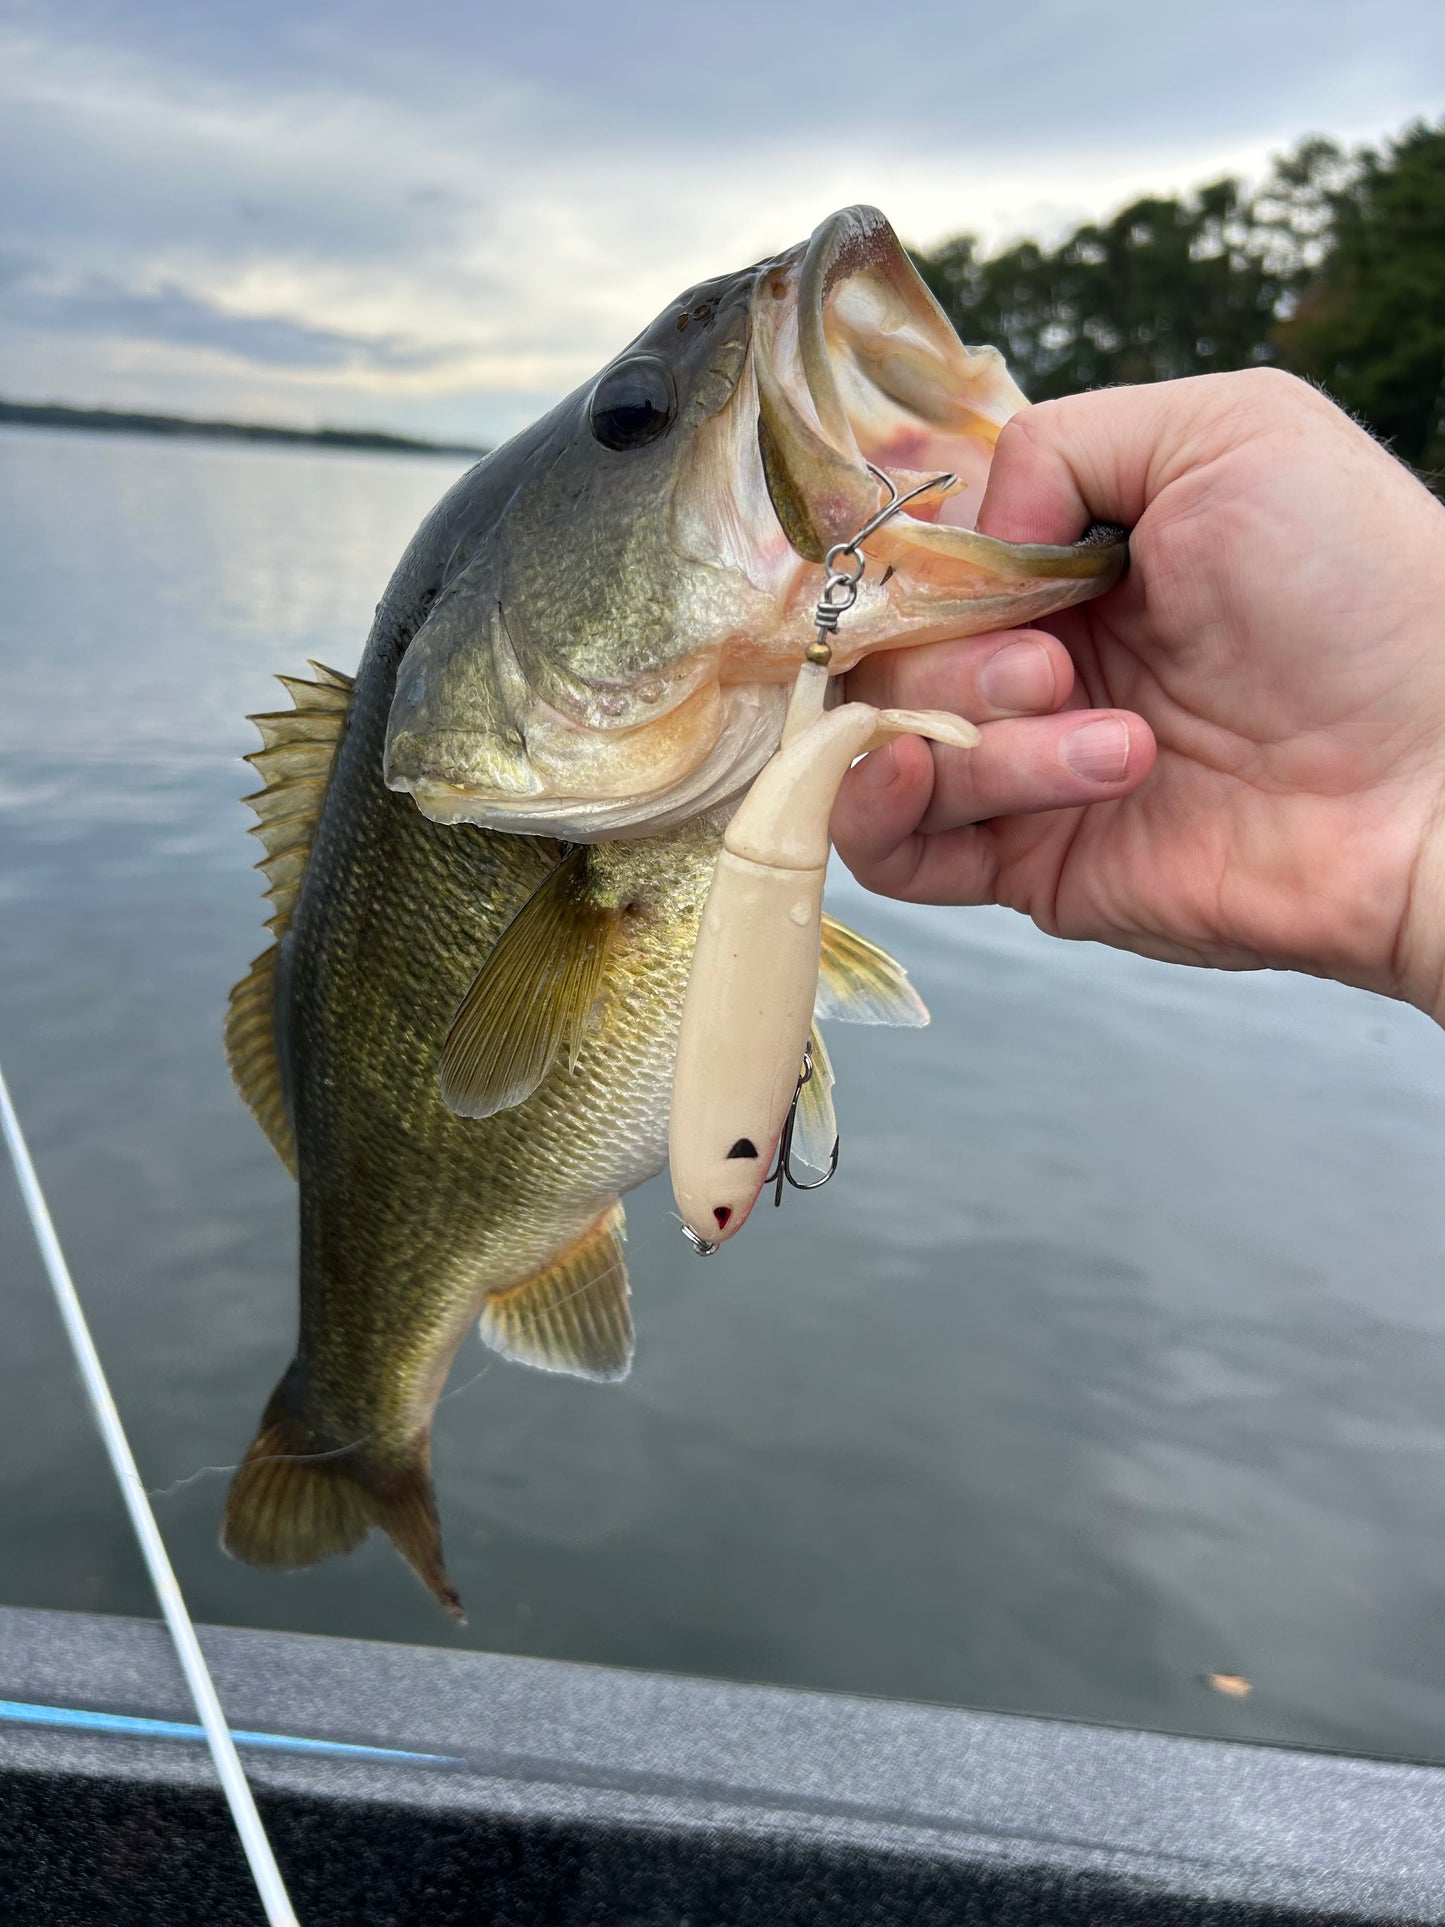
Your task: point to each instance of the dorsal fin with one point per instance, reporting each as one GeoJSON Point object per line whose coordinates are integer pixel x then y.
{"type": "Point", "coordinates": [298, 748]}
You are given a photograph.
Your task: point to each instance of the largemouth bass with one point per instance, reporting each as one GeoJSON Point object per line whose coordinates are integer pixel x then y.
{"type": "Point", "coordinates": [489, 853]}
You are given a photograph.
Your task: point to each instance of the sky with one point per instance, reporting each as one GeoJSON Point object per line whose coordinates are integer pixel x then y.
{"type": "Point", "coordinates": [437, 217]}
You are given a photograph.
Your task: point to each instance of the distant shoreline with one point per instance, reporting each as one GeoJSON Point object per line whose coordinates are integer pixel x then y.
{"type": "Point", "coordinates": [22, 414]}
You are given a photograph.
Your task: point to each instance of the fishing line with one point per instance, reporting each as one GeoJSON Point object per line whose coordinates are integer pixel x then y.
{"type": "Point", "coordinates": [249, 1827]}
{"type": "Point", "coordinates": [161, 1492]}
{"type": "Point", "coordinates": [310, 1458]}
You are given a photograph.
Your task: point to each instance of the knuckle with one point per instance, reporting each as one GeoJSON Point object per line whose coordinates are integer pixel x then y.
{"type": "Point", "coordinates": [1279, 382]}
{"type": "Point", "coordinates": [1273, 392]}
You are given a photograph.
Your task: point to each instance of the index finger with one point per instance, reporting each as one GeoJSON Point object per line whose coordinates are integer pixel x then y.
{"type": "Point", "coordinates": [1009, 672]}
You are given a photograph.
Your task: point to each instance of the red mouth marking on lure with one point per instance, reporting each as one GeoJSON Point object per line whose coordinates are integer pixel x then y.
{"type": "Point", "coordinates": [722, 1212]}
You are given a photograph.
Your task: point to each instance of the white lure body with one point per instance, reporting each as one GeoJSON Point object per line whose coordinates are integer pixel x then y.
{"type": "Point", "coordinates": [754, 979]}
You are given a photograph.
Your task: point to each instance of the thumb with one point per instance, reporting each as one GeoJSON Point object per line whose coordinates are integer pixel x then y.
{"type": "Point", "coordinates": [1102, 456]}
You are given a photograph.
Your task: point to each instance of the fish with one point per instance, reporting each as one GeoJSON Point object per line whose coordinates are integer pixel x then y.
{"type": "Point", "coordinates": [488, 850]}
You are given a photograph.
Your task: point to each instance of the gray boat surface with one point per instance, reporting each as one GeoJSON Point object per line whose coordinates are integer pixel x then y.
{"type": "Point", "coordinates": [542, 1794]}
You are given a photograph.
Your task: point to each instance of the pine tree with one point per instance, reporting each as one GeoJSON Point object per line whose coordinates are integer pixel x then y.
{"type": "Point", "coordinates": [1334, 268]}
{"type": "Point", "coordinates": [1369, 325]}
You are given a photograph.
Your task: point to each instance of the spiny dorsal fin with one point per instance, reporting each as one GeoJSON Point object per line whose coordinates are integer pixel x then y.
{"type": "Point", "coordinates": [298, 747]}
{"type": "Point", "coordinates": [574, 1316]}
{"type": "Point", "coordinates": [816, 1131]}
{"type": "Point", "coordinates": [862, 984]}
{"type": "Point", "coordinates": [534, 993]}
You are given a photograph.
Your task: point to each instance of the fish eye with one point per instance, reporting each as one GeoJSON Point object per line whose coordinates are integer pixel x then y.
{"type": "Point", "coordinates": [633, 403]}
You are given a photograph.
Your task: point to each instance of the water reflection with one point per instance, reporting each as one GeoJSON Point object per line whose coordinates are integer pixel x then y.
{"type": "Point", "coordinates": [1114, 1357]}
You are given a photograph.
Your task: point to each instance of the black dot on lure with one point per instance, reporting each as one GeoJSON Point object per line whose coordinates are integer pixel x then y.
{"type": "Point", "coordinates": [744, 1148]}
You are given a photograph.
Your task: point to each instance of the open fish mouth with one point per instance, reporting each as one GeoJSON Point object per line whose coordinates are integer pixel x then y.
{"type": "Point", "coordinates": [858, 367]}
{"type": "Point", "coordinates": [827, 362]}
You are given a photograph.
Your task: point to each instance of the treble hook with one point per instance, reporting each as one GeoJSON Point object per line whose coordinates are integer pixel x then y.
{"type": "Point", "coordinates": [782, 1170]}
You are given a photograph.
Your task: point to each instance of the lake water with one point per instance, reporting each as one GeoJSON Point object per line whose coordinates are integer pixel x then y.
{"type": "Point", "coordinates": [1114, 1357]}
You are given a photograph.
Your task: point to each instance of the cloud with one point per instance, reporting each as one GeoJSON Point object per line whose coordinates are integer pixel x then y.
{"type": "Point", "coordinates": [102, 307]}
{"type": "Point", "coordinates": [439, 216]}
{"type": "Point", "coordinates": [640, 73]}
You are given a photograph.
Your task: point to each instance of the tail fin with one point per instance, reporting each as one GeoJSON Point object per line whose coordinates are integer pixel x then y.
{"type": "Point", "coordinates": [292, 1505]}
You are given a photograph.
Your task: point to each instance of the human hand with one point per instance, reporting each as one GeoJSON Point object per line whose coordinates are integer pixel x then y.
{"type": "Point", "coordinates": [1236, 757]}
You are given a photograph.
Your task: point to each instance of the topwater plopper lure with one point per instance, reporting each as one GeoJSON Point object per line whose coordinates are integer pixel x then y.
{"type": "Point", "coordinates": [743, 1057]}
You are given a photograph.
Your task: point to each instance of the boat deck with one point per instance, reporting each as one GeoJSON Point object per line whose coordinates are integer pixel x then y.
{"type": "Point", "coordinates": [538, 1794]}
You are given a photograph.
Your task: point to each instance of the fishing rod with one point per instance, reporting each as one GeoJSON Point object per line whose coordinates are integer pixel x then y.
{"type": "Point", "coordinates": [234, 1784]}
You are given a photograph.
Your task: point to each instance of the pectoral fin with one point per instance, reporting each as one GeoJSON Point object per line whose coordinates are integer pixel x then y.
{"type": "Point", "coordinates": [862, 984]}
{"type": "Point", "coordinates": [534, 993]}
{"type": "Point", "coordinates": [574, 1316]}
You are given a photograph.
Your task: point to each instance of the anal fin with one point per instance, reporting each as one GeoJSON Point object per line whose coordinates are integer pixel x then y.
{"type": "Point", "coordinates": [573, 1316]}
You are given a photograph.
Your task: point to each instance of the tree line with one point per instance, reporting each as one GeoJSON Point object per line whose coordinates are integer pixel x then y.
{"type": "Point", "coordinates": [1334, 268]}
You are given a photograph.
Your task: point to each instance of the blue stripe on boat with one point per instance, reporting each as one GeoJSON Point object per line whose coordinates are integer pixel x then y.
{"type": "Point", "coordinates": [27, 1714]}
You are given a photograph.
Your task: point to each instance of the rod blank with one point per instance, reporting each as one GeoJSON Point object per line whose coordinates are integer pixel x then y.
{"type": "Point", "coordinates": [234, 1784]}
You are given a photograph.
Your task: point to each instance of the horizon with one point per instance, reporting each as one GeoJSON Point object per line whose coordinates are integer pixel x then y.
{"type": "Point", "coordinates": [120, 418]}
